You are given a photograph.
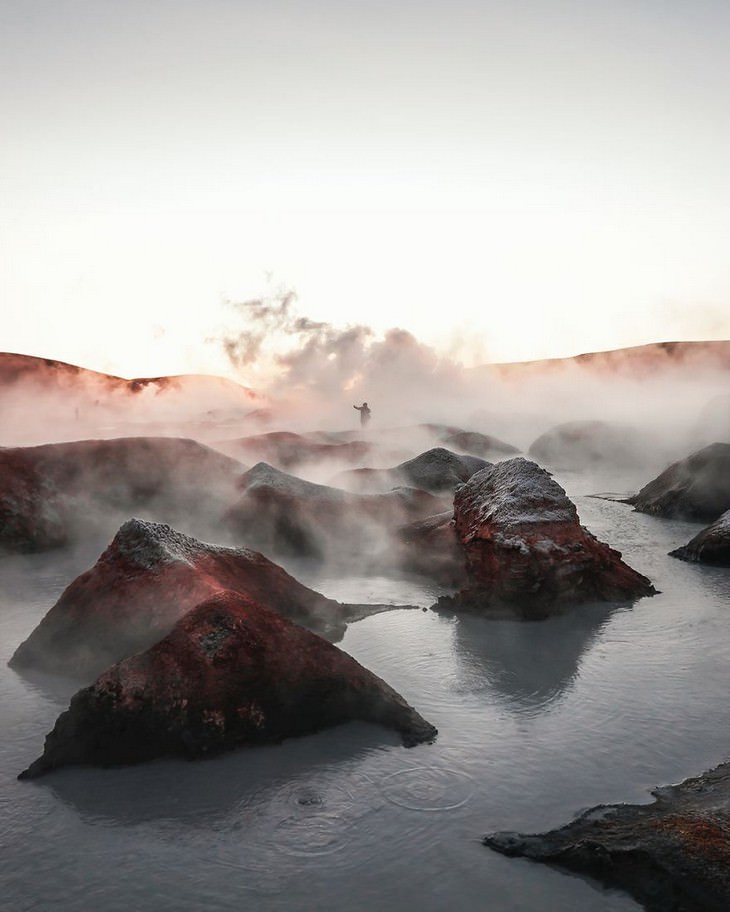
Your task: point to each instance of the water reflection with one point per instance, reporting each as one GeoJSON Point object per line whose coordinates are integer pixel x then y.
{"type": "Point", "coordinates": [527, 665]}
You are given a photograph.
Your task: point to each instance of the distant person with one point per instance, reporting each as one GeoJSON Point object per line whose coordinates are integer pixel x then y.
{"type": "Point", "coordinates": [364, 413]}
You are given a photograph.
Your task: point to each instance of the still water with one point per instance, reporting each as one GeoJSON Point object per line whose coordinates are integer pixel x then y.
{"type": "Point", "coordinates": [537, 721]}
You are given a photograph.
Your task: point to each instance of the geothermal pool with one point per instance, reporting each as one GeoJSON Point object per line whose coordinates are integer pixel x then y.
{"type": "Point", "coordinates": [536, 722]}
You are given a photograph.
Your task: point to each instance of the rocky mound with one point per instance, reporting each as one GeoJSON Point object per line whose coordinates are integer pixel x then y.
{"type": "Point", "coordinates": [525, 550]}
{"type": "Point", "coordinates": [438, 470]}
{"type": "Point", "coordinates": [710, 546]}
{"type": "Point", "coordinates": [483, 445]}
{"type": "Point", "coordinates": [283, 514]}
{"type": "Point", "coordinates": [231, 673]}
{"type": "Point", "coordinates": [697, 487]}
{"type": "Point", "coordinates": [52, 494]}
{"type": "Point", "coordinates": [672, 855]}
{"type": "Point", "coordinates": [148, 578]}
{"type": "Point", "coordinates": [580, 444]}
{"type": "Point", "coordinates": [287, 450]}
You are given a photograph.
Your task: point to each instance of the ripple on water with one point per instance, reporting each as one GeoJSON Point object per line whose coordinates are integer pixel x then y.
{"type": "Point", "coordinates": [428, 788]}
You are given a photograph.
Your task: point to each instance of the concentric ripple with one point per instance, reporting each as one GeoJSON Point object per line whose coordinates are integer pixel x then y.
{"type": "Point", "coordinates": [428, 788]}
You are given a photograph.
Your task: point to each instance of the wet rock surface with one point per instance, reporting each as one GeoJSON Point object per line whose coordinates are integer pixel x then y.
{"type": "Point", "coordinates": [710, 546]}
{"type": "Point", "coordinates": [672, 855]}
{"type": "Point", "coordinates": [695, 488]}
{"type": "Point", "coordinates": [55, 493]}
{"type": "Point", "coordinates": [282, 514]}
{"type": "Point", "coordinates": [148, 578]}
{"type": "Point", "coordinates": [526, 553]}
{"type": "Point", "coordinates": [231, 673]}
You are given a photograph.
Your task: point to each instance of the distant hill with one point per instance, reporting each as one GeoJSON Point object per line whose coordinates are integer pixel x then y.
{"type": "Point", "coordinates": [637, 361]}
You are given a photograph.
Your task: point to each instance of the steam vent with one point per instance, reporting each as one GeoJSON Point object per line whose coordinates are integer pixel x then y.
{"type": "Point", "coordinates": [526, 552]}
{"type": "Point", "coordinates": [231, 673]}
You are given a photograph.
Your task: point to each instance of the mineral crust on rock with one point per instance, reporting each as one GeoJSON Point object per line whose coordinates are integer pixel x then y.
{"type": "Point", "coordinates": [672, 855]}
{"type": "Point", "coordinates": [710, 546]}
{"type": "Point", "coordinates": [696, 488]}
{"type": "Point", "coordinates": [146, 580]}
{"type": "Point", "coordinates": [526, 553]}
{"type": "Point", "coordinates": [231, 673]}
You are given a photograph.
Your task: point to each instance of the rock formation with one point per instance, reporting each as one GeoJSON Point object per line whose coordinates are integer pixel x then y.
{"type": "Point", "coordinates": [697, 487]}
{"type": "Point", "coordinates": [231, 673]}
{"type": "Point", "coordinates": [710, 546]}
{"type": "Point", "coordinates": [282, 514]}
{"type": "Point", "coordinates": [525, 551]}
{"type": "Point", "coordinates": [672, 855]}
{"type": "Point", "coordinates": [482, 445]}
{"type": "Point", "coordinates": [148, 578]}
{"type": "Point", "coordinates": [438, 470]}
{"type": "Point", "coordinates": [286, 450]}
{"type": "Point", "coordinates": [52, 494]}
{"type": "Point", "coordinates": [429, 547]}
{"type": "Point", "coordinates": [581, 444]}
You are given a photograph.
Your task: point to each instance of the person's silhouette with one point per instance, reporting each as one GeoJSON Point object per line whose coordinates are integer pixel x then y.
{"type": "Point", "coordinates": [364, 413]}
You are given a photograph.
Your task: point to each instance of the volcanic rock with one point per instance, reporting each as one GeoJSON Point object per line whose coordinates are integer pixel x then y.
{"type": "Point", "coordinates": [231, 673]}
{"type": "Point", "coordinates": [282, 514]}
{"type": "Point", "coordinates": [672, 855]}
{"type": "Point", "coordinates": [148, 578]}
{"type": "Point", "coordinates": [430, 547]}
{"type": "Point", "coordinates": [526, 552]}
{"type": "Point", "coordinates": [286, 450]}
{"type": "Point", "coordinates": [52, 494]}
{"type": "Point", "coordinates": [696, 488]}
{"type": "Point", "coordinates": [483, 445]}
{"type": "Point", "coordinates": [438, 470]}
{"type": "Point", "coordinates": [580, 444]}
{"type": "Point", "coordinates": [710, 546]}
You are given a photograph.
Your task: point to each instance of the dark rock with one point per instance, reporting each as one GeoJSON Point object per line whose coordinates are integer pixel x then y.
{"type": "Point", "coordinates": [231, 673]}
{"type": "Point", "coordinates": [52, 494]}
{"type": "Point", "coordinates": [672, 855]}
{"type": "Point", "coordinates": [430, 547]}
{"type": "Point", "coordinates": [696, 488]}
{"type": "Point", "coordinates": [438, 470]}
{"type": "Point", "coordinates": [581, 444]}
{"type": "Point", "coordinates": [526, 552]}
{"type": "Point", "coordinates": [283, 514]}
{"type": "Point", "coordinates": [482, 445]}
{"type": "Point", "coordinates": [148, 578]}
{"type": "Point", "coordinates": [710, 546]}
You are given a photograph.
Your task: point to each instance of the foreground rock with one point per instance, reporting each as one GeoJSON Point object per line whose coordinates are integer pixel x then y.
{"type": "Point", "coordinates": [282, 514]}
{"type": "Point", "coordinates": [672, 855]}
{"type": "Point", "coordinates": [231, 673]}
{"type": "Point", "coordinates": [438, 470]}
{"type": "Point", "coordinates": [525, 550]}
{"type": "Point", "coordinates": [697, 487]}
{"type": "Point", "coordinates": [52, 494]}
{"type": "Point", "coordinates": [148, 578]}
{"type": "Point", "coordinates": [710, 546]}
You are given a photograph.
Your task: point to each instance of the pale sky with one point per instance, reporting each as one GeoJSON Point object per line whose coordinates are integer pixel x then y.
{"type": "Point", "coordinates": [505, 180]}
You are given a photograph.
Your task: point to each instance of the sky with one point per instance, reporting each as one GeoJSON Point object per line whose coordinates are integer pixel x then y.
{"type": "Point", "coordinates": [506, 181]}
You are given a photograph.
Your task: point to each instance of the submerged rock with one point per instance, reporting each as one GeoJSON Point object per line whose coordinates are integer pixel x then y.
{"type": "Point", "coordinates": [525, 550]}
{"type": "Point", "coordinates": [697, 487]}
{"type": "Point", "coordinates": [710, 546]}
{"type": "Point", "coordinates": [672, 855]}
{"type": "Point", "coordinates": [283, 514]}
{"type": "Point", "coordinates": [231, 673]}
{"type": "Point", "coordinates": [52, 494]}
{"type": "Point", "coordinates": [147, 579]}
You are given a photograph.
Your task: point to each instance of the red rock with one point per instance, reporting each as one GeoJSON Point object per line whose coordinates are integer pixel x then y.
{"type": "Point", "coordinates": [526, 553]}
{"type": "Point", "coordinates": [231, 673]}
{"type": "Point", "coordinates": [147, 579]}
{"type": "Point", "coordinates": [283, 514]}
{"type": "Point", "coordinates": [52, 494]}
